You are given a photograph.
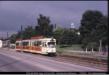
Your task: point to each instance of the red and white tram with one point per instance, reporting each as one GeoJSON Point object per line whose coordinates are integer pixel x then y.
{"type": "Point", "coordinates": [37, 44]}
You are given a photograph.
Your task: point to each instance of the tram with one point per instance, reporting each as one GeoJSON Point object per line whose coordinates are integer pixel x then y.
{"type": "Point", "coordinates": [37, 44]}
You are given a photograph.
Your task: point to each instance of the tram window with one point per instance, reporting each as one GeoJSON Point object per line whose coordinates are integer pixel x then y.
{"type": "Point", "coordinates": [35, 43]}
{"type": "Point", "coordinates": [38, 43]}
{"type": "Point", "coordinates": [17, 44]}
{"type": "Point", "coordinates": [43, 44]}
{"type": "Point", "coordinates": [51, 44]}
{"type": "Point", "coordinates": [25, 43]}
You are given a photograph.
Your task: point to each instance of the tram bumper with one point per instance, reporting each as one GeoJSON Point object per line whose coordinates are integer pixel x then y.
{"type": "Point", "coordinates": [51, 50]}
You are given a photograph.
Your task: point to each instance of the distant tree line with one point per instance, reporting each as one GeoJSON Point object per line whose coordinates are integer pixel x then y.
{"type": "Point", "coordinates": [93, 27]}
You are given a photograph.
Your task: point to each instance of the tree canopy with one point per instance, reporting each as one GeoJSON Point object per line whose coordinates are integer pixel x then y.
{"type": "Point", "coordinates": [93, 27]}
{"type": "Point", "coordinates": [44, 26]}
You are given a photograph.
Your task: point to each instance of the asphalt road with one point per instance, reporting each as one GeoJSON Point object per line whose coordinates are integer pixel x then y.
{"type": "Point", "coordinates": [12, 61]}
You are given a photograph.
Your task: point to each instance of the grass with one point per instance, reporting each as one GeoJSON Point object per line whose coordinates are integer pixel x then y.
{"type": "Point", "coordinates": [71, 47]}
{"type": "Point", "coordinates": [62, 48]}
{"type": "Point", "coordinates": [68, 50]}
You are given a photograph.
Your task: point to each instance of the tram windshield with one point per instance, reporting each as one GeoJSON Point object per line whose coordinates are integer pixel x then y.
{"type": "Point", "coordinates": [51, 44]}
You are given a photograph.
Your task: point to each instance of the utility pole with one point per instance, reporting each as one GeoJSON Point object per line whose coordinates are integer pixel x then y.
{"type": "Point", "coordinates": [21, 31]}
{"type": "Point", "coordinates": [100, 47]}
{"type": "Point", "coordinates": [86, 49]}
{"type": "Point", "coordinates": [7, 40]}
{"type": "Point", "coordinates": [21, 38]}
{"type": "Point", "coordinates": [7, 35]}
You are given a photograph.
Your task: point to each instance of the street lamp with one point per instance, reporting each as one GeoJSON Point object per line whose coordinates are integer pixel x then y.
{"type": "Point", "coordinates": [78, 33]}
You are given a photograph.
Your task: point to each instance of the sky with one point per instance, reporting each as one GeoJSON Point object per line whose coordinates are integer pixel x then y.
{"type": "Point", "coordinates": [13, 14]}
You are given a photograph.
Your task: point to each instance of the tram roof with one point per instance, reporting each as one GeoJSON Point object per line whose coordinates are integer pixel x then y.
{"type": "Point", "coordinates": [35, 38]}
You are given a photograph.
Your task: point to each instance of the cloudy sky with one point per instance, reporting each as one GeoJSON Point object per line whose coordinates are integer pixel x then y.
{"type": "Point", "coordinates": [13, 14]}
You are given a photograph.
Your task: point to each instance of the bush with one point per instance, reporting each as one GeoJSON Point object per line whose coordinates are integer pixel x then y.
{"type": "Point", "coordinates": [93, 45]}
{"type": "Point", "coordinates": [63, 46]}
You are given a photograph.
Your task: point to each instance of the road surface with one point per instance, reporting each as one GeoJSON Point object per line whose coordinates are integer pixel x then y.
{"type": "Point", "coordinates": [12, 61]}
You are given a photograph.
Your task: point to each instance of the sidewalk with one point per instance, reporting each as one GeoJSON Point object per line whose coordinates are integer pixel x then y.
{"type": "Point", "coordinates": [88, 54]}
{"type": "Point", "coordinates": [8, 49]}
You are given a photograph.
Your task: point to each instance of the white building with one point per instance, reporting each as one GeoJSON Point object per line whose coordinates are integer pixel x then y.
{"type": "Point", "coordinates": [1, 43]}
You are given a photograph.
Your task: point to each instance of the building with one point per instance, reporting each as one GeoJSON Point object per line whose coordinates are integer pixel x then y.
{"type": "Point", "coordinates": [1, 43]}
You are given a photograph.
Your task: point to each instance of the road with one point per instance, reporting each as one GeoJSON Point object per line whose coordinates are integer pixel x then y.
{"type": "Point", "coordinates": [12, 61]}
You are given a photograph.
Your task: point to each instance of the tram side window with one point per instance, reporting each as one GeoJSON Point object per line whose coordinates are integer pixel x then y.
{"type": "Point", "coordinates": [44, 44]}
{"type": "Point", "coordinates": [17, 44]}
{"type": "Point", "coordinates": [25, 43]}
{"type": "Point", "coordinates": [35, 43]}
{"type": "Point", "coordinates": [38, 43]}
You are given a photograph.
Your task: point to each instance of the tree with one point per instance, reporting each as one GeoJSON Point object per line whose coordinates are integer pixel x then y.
{"type": "Point", "coordinates": [93, 27]}
{"type": "Point", "coordinates": [37, 30]}
{"type": "Point", "coordinates": [70, 37]}
{"type": "Point", "coordinates": [66, 37]}
{"type": "Point", "coordinates": [102, 30]}
{"type": "Point", "coordinates": [13, 38]}
{"type": "Point", "coordinates": [28, 32]}
{"type": "Point", "coordinates": [58, 33]}
{"type": "Point", "coordinates": [44, 27]}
